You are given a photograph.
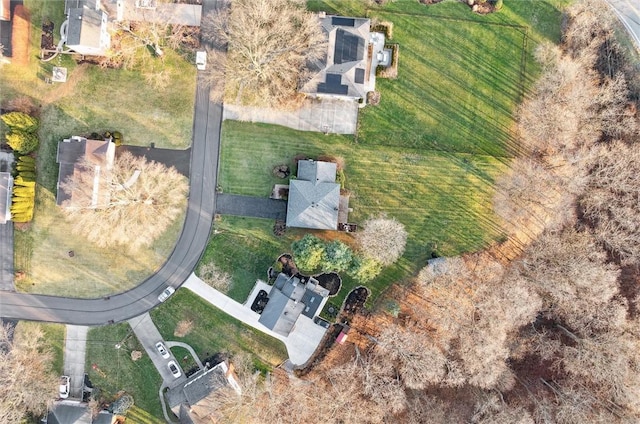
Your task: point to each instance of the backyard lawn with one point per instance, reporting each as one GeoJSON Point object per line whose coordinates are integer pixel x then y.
{"type": "Point", "coordinates": [92, 100]}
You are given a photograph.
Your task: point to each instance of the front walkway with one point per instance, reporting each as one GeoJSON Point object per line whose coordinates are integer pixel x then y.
{"type": "Point", "coordinates": [75, 346]}
{"type": "Point", "coordinates": [257, 207]}
{"type": "Point", "coordinates": [319, 115]}
{"type": "Point", "coordinates": [301, 343]}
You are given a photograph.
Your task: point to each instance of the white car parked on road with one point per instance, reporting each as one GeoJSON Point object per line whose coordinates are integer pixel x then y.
{"type": "Point", "coordinates": [166, 293]}
{"type": "Point", "coordinates": [201, 60]}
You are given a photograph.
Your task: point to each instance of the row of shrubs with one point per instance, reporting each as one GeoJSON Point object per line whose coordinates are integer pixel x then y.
{"type": "Point", "coordinates": [24, 190]}
{"type": "Point", "coordinates": [22, 138]}
{"type": "Point", "coordinates": [313, 254]}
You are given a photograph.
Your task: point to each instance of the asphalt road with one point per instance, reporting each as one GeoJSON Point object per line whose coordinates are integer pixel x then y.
{"type": "Point", "coordinates": [628, 12]}
{"type": "Point", "coordinates": [181, 262]}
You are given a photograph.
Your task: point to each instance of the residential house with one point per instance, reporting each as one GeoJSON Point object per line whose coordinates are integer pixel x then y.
{"type": "Point", "coordinates": [74, 412]}
{"type": "Point", "coordinates": [314, 197]}
{"type": "Point", "coordinates": [78, 154]}
{"type": "Point", "coordinates": [348, 69]}
{"type": "Point", "coordinates": [155, 11]}
{"type": "Point", "coordinates": [6, 186]}
{"type": "Point", "coordinates": [289, 298]}
{"type": "Point", "coordinates": [86, 29]}
{"type": "Point", "coordinates": [191, 401]}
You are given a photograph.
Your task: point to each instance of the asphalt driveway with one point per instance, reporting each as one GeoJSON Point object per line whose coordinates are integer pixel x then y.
{"type": "Point", "coordinates": [6, 257]}
{"type": "Point", "coordinates": [257, 207]}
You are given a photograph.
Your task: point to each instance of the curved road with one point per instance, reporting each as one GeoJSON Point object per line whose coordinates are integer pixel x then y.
{"type": "Point", "coordinates": [181, 262]}
{"type": "Point", "coordinates": [628, 11]}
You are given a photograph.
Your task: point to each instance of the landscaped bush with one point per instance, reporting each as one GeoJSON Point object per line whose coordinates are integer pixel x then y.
{"type": "Point", "coordinates": [364, 269]}
{"type": "Point", "coordinates": [308, 252]}
{"type": "Point", "coordinates": [19, 121]}
{"type": "Point", "coordinates": [337, 256]}
{"type": "Point", "coordinates": [24, 190]}
{"type": "Point", "coordinates": [384, 27]}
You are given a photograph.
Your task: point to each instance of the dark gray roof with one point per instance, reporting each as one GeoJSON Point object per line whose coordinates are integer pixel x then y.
{"type": "Point", "coordinates": [342, 71]}
{"type": "Point", "coordinates": [204, 383]}
{"type": "Point", "coordinates": [69, 414]}
{"type": "Point", "coordinates": [103, 417]}
{"type": "Point", "coordinates": [340, 21]}
{"type": "Point", "coordinates": [311, 301]}
{"type": "Point", "coordinates": [5, 195]}
{"type": "Point", "coordinates": [281, 313]}
{"type": "Point", "coordinates": [349, 47]}
{"type": "Point", "coordinates": [70, 151]}
{"type": "Point", "coordinates": [84, 27]}
{"type": "Point", "coordinates": [333, 85]}
{"type": "Point", "coordinates": [314, 197]}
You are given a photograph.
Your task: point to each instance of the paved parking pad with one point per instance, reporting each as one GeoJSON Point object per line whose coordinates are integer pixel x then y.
{"type": "Point", "coordinates": [319, 115]}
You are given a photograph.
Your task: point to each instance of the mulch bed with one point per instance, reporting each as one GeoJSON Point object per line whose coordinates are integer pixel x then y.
{"type": "Point", "coordinates": [355, 300]}
{"type": "Point", "coordinates": [330, 281]}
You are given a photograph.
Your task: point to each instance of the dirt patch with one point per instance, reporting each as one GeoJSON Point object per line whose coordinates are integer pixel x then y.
{"type": "Point", "coordinates": [68, 88]}
{"type": "Point", "coordinates": [288, 266]}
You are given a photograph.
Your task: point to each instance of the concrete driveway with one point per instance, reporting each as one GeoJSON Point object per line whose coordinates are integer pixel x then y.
{"type": "Point", "coordinates": [75, 347]}
{"type": "Point", "coordinates": [319, 115]}
{"type": "Point", "coordinates": [148, 335]}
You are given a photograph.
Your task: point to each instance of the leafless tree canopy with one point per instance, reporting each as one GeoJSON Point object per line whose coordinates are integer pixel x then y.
{"type": "Point", "coordinates": [269, 44]}
{"type": "Point", "coordinates": [27, 383]}
{"type": "Point", "coordinates": [382, 239]}
{"type": "Point", "coordinates": [136, 212]}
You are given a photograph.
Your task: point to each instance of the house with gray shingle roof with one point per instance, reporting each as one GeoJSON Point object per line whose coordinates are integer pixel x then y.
{"type": "Point", "coordinates": [288, 299]}
{"type": "Point", "coordinates": [191, 401]}
{"type": "Point", "coordinates": [348, 68]}
{"type": "Point", "coordinates": [314, 197]}
{"type": "Point", "coordinates": [85, 31]}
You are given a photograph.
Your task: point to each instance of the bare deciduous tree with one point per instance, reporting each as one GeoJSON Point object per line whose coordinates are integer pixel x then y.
{"type": "Point", "coordinates": [136, 210]}
{"type": "Point", "coordinates": [269, 44]}
{"type": "Point", "coordinates": [611, 200]}
{"type": "Point", "coordinates": [382, 239]}
{"type": "Point", "coordinates": [27, 383]}
{"type": "Point", "coordinates": [214, 276]}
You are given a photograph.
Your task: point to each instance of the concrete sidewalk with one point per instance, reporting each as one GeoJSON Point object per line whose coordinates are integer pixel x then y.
{"type": "Point", "coordinates": [301, 343]}
{"type": "Point", "coordinates": [75, 347]}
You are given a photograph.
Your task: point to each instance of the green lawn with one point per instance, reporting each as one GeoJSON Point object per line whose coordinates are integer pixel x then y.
{"type": "Point", "coordinates": [442, 198]}
{"type": "Point", "coordinates": [428, 155]}
{"type": "Point", "coordinates": [92, 100]}
{"type": "Point", "coordinates": [112, 370]}
{"type": "Point", "coordinates": [245, 248]}
{"type": "Point", "coordinates": [215, 331]}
